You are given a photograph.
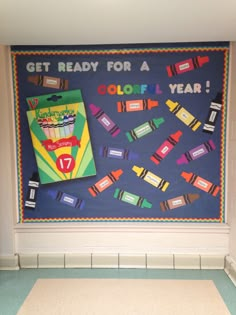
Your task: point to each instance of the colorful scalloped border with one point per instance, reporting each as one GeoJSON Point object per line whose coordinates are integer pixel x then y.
{"type": "Point", "coordinates": [124, 51]}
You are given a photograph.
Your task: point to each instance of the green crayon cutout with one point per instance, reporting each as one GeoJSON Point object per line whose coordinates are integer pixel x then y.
{"type": "Point", "coordinates": [131, 198]}
{"type": "Point", "coordinates": [144, 129]}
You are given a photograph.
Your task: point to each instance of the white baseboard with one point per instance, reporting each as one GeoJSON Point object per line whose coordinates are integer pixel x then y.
{"type": "Point", "coordinates": [119, 261]}
{"type": "Point", "coordinates": [230, 268]}
{"type": "Point", "coordinates": [9, 262]}
{"type": "Point", "coordinates": [124, 260]}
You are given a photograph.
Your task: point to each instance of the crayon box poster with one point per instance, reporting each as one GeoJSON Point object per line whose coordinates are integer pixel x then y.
{"type": "Point", "coordinates": [156, 116]}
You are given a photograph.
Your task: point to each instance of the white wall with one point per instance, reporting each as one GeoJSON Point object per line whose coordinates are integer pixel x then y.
{"type": "Point", "coordinates": [27, 22]}
{"type": "Point", "coordinates": [7, 158]}
{"type": "Point", "coordinates": [231, 186]}
{"type": "Point", "coordinates": [94, 237]}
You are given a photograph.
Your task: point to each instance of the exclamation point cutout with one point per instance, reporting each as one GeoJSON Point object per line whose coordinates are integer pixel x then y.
{"type": "Point", "coordinates": [207, 86]}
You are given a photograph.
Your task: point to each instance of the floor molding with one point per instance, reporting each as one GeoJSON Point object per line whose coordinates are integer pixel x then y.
{"type": "Point", "coordinates": [122, 260]}
{"type": "Point", "coordinates": [135, 261]}
{"type": "Point", "coordinates": [230, 268]}
{"type": "Point", "coordinates": [10, 262]}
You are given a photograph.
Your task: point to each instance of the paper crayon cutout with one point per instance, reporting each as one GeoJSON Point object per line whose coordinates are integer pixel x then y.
{"type": "Point", "coordinates": [186, 65]}
{"type": "Point", "coordinates": [72, 118]}
{"type": "Point", "coordinates": [201, 183]}
{"type": "Point", "coordinates": [50, 82]}
{"type": "Point", "coordinates": [117, 153]}
{"type": "Point", "coordinates": [32, 192]}
{"type": "Point", "coordinates": [197, 152]}
{"type": "Point", "coordinates": [66, 199]}
{"type": "Point", "coordinates": [104, 120]}
{"type": "Point", "coordinates": [131, 198]}
{"type": "Point", "coordinates": [136, 105]}
{"type": "Point", "coordinates": [181, 113]}
{"type": "Point", "coordinates": [151, 178]}
{"type": "Point", "coordinates": [179, 201]}
{"type": "Point", "coordinates": [144, 129]}
{"type": "Point", "coordinates": [57, 127]}
{"type": "Point", "coordinates": [213, 113]}
{"type": "Point", "coordinates": [105, 182]}
{"type": "Point", "coordinates": [167, 146]}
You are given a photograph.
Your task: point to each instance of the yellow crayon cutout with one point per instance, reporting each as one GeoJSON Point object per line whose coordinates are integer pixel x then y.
{"type": "Point", "coordinates": [181, 113]}
{"type": "Point", "coordinates": [151, 178]}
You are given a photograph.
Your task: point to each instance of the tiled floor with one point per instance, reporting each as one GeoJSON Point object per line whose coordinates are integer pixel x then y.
{"type": "Point", "coordinates": [15, 285]}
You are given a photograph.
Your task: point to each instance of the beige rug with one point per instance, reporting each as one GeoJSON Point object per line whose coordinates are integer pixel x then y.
{"type": "Point", "coordinates": [123, 296]}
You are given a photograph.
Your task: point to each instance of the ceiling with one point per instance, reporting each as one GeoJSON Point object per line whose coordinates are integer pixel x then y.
{"type": "Point", "coordinates": [82, 22]}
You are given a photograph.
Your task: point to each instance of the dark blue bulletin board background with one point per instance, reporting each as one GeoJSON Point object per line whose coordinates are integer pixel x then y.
{"type": "Point", "coordinates": [87, 68]}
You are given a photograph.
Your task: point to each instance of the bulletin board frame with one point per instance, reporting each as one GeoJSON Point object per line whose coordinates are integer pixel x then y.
{"type": "Point", "coordinates": [185, 86]}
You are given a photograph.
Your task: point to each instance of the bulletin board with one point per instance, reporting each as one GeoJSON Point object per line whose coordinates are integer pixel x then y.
{"type": "Point", "coordinates": [121, 133]}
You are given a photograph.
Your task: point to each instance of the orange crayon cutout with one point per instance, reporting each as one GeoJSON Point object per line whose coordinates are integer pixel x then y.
{"type": "Point", "coordinates": [105, 182]}
{"type": "Point", "coordinates": [136, 105]}
{"type": "Point", "coordinates": [201, 183]}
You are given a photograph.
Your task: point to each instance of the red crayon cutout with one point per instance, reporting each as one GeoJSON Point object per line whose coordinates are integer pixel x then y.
{"type": "Point", "coordinates": [201, 183]}
{"type": "Point", "coordinates": [136, 105]}
{"type": "Point", "coordinates": [186, 65]}
{"type": "Point", "coordinates": [105, 182]}
{"type": "Point", "coordinates": [166, 147]}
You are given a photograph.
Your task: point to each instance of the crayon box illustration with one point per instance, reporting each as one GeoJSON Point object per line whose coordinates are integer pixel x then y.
{"type": "Point", "coordinates": [60, 136]}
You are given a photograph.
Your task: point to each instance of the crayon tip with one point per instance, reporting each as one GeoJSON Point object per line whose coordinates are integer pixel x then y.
{"type": "Point", "coordinates": [52, 193]}
{"type": "Point", "coordinates": [114, 134]}
{"type": "Point", "coordinates": [186, 176]}
{"type": "Point", "coordinates": [171, 104]}
{"type": "Point", "coordinates": [216, 191]}
{"type": "Point", "coordinates": [92, 191]}
{"type": "Point", "coordinates": [116, 193]}
{"type": "Point", "coordinates": [162, 206]}
{"type": "Point", "coordinates": [193, 197]}
{"type": "Point", "coordinates": [66, 84]}
{"type": "Point", "coordinates": [119, 107]}
{"type": "Point", "coordinates": [32, 78]}
{"type": "Point", "coordinates": [218, 98]}
{"type": "Point", "coordinates": [136, 169]}
{"type": "Point", "coordinates": [177, 135]}
{"type": "Point", "coordinates": [82, 204]}
{"type": "Point", "coordinates": [94, 109]}
{"type": "Point", "coordinates": [166, 185]}
{"type": "Point", "coordinates": [117, 173]}
{"type": "Point", "coordinates": [101, 151]}
{"type": "Point", "coordinates": [146, 204]}
{"type": "Point", "coordinates": [212, 144]}
{"type": "Point", "coordinates": [158, 121]}
{"type": "Point", "coordinates": [203, 60]}
{"type": "Point", "coordinates": [182, 160]}
{"type": "Point", "coordinates": [35, 177]}
{"type": "Point", "coordinates": [152, 103]}
{"type": "Point", "coordinates": [152, 158]}
{"type": "Point", "coordinates": [169, 72]}
{"type": "Point", "coordinates": [128, 135]}
{"type": "Point", "coordinates": [198, 124]}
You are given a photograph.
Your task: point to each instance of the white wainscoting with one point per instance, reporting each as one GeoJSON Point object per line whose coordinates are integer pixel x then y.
{"type": "Point", "coordinates": [211, 239]}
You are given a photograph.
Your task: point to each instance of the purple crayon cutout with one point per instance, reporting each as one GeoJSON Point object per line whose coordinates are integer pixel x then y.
{"type": "Point", "coordinates": [66, 199]}
{"type": "Point", "coordinates": [196, 153]}
{"type": "Point", "coordinates": [104, 120]}
{"type": "Point", "coordinates": [117, 153]}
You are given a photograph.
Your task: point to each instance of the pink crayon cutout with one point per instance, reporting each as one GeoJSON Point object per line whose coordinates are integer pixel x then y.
{"type": "Point", "coordinates": [166, 147]}
{"type": "Point", "coordinates": [196, 152]}
{"type": "Point", "coordinates": [104, 120]}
